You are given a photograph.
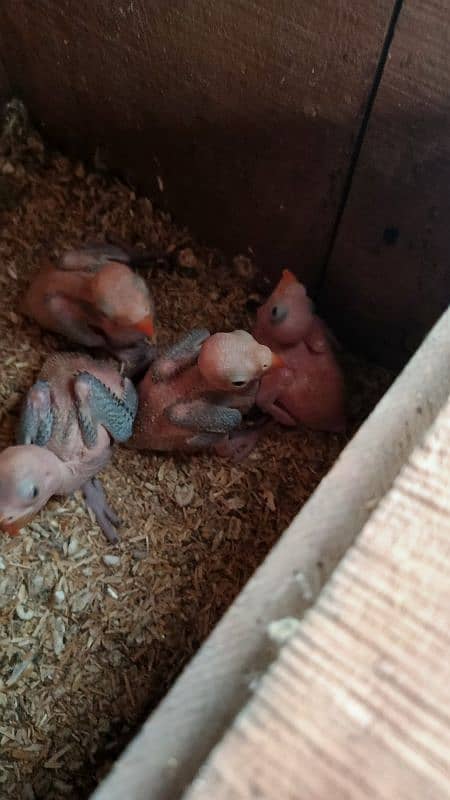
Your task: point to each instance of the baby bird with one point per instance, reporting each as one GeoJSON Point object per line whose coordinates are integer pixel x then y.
{"type": "Point", "coordinates": [69, 419]}
{"type": "Point", "coordinates": [93, 298]}
{"type": "Point", "coordinates": [195, 394]}
{"type": "Point", "coordinates": [311, 389]}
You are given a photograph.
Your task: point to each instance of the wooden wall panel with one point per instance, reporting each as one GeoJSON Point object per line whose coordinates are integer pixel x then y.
{"type": "Point", "coordinates": [247, 111]}
{"type": "Point", "coordinates": [4, 84]}
{"type": "Point", "coordinates": [389, 274]}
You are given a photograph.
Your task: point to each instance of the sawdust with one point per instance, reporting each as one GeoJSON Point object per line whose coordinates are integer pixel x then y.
{"type": "Point", "coordinates": [91, 637]}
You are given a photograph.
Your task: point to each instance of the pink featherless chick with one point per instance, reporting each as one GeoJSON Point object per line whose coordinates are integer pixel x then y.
{"type": "Point", "coordinates": [311, 389]}
{"type": "Point", "coordinates": [93, 298]}
{"type": "Point", "coordinates": [195, 395]}
{"type": "Point", "coordinates": [69, 419]}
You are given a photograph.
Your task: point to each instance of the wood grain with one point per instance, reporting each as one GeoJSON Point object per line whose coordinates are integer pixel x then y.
{"type": "Point", "coordinates": [247, 111]}
{"type": "Point", "coordinates": [4, 83]}
{"type": "Point", "coordinates": [389, 275]}
{"type": "Point", "coordinates": [357, 704]}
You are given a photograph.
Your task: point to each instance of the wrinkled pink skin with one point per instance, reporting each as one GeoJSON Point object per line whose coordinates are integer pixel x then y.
{"type": "Point", "coordinates": [154, 430]}
{"type": "Point", "coordinates": [93, 299]}
{"type": "Point", "coordinates": [67, 442]}
{"type": "Point", "coordinates": [311, 390]}
{"type": "Point", "coordinates": [65, 463]}
{"type": "Point", "coordinates": [91, 308]}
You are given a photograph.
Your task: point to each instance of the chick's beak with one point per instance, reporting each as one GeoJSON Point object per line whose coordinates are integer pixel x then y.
{"type": "Point", "coordinates": [14, 528]}
{"type": "Point", "coordinates": [146, 326]}
{"type": "Point", "coordinates": [286, 280]}
{"type": "Point", "coordinates": [289, 276]}
{"type": "Point", "coordinates": [277, 362]}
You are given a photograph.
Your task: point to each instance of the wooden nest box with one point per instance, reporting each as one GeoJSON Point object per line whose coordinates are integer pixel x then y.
{"type": "Point", "coordinates": [315, 137]}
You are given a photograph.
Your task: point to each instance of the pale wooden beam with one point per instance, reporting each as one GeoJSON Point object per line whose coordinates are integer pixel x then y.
{"type": "Point", "coordinates": [357, 705]}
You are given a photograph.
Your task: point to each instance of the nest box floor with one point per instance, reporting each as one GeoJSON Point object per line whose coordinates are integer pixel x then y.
{"type": "Point", "coordinates": [91, 636]}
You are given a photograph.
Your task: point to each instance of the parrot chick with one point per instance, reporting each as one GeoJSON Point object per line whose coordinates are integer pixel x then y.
{"type": "Point", "coordinates": [195, 394]}
{"type": "Point", "coordinates": [93, 298]}
{"type": "Point", "coordinates": [69, 419]}
{"type": "Point", "coordinates": [311, 389]}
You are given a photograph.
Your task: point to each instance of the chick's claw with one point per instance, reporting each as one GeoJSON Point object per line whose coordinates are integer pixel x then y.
{"type": "Point", "coordinates": [269, 391]}
{"type": "Point", "coordinates": [106, 517]}
{"type": "Point", "coordinates": [238, 445]}
{"type": "Point", "coordinates": [136, 359]}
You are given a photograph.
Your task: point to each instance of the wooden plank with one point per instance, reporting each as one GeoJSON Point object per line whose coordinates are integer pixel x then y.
{"type": "Point", "coordinates": [162, 760]}
{"type": "Point", "coordinates": [247, 111]}
{"type": "Point", "coordinates": [357, 704]}
{"type": "Point", "coordinates": [389, 275]}
{"type": "Point", "coordinates": [4, 83]}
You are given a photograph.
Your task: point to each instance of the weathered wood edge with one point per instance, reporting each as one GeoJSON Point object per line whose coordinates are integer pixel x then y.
{"type": "Point", "coordinates": [164, 757]}
{"type": "Point", "coordinates": [355, 705]}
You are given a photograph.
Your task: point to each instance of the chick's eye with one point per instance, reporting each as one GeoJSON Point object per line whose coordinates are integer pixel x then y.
{"type": "Point", "coordinates": [278, 313]}
{"type": "Point", "coordinates": [238, 383]}
{"type": "Point", "coordinates": [28, 489]}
